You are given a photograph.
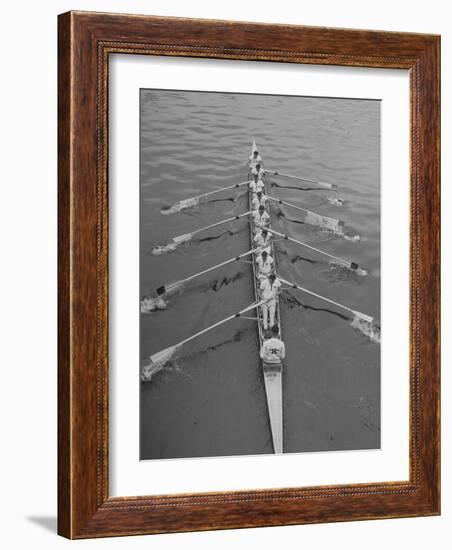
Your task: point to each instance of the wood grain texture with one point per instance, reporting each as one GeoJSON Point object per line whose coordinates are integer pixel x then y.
{"type": "Point", "coordinates": [85, 42]}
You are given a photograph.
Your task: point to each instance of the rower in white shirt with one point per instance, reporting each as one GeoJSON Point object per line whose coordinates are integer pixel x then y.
{"type": "Point", "coordinates": [262, 240]}
{"type": "Point", "coordinates": [269, 291]}
{"type": "Point", "coordinates": [259, 199]}
{"type": "Point", "coordinates": [258, 169]}
{"type": "Point", "coordinates": [273, 350]}
{"type": "Point", "coordinates": [254, 158]}
{"type": "Point", "coordinates": [256, 184]}
{"type": "Point", "coordinates": [265, 265]}
{"type": "Point", "coordinates": [261, 217]}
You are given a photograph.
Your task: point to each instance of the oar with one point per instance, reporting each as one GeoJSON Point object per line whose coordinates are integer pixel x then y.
{"type": "Point", "coordinates": [358, 314]}
{"type": "Point", "coordinates": [176, 241]}
{"type": "Point", "coordinates": [158, 360]}
{"type": "Point", "coordinates": [164, 289]}
{"type": "Point", "coordinates": [347, 263]}
{"type": "Point", "coordinates": [194, 201]}
{"type": "Point", "coordinates": [320, 183]}
{"type": "Point", "coordinates": [314, 218]}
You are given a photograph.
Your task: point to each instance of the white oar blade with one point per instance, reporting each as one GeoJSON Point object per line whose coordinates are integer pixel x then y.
{"type": "Point", "coordinates": [352, 266]}
{"type": "Point", "coordinates": [327, 185]}
{"type": "Point", "coordinates": [164, 249]}
{"type": "Point", "coordinates": [364, 317]}
{"type": "Point", "coordinates": [157, 362]}
{"type": "Point", "coordinates": [153, 303]}
{"type": "Point", "coordinates": [365, 324]}
{"type": "Point", "coordinates": [171, 246]}
{"type": "Point", "coordinates": [181, 205]}
{"type": "Point", "coordinates": [360, 271]}
{"type": "Point", "coordinates": [335, 201]}
{"type": "Point", "coordinates": [352, 238]}
{"type": "Point", "coordinates": [183, 238]}
{"type": "Point", "coordinates": [159, 302]}
{"type": "Point", "coordinates": [331, 224]}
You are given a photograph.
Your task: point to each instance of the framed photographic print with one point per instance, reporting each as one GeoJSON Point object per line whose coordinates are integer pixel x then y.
{"type": "Point", "coordinates": [248, 275]}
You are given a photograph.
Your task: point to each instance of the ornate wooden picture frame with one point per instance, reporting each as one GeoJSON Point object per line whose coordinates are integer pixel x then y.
{"type": "Point", "coordinates": [86, 40]}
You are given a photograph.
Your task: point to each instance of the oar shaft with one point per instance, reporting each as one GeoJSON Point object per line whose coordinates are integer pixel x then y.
{"type": "Point", "coordinates": [226, 262]}
{"type": "Point", "coordinates": [227, 220]}
{"type": "Point", "coordinates": [235, 315]}
{"type": "Point", "coordinates": [324, 298]}
{"type": "Point", "coordinates": [320, 183]}
{"type": "Point", "coordinates": [279, 201]}
{"type": "Point", "coordinates": [341, 260]}
{"type": "Point", "coordinates": [219, 190]}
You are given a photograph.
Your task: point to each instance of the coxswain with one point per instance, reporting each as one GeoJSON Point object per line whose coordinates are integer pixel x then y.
{"type": "Point", "coordinates": [269, 292]}
{"type": "Point", "coordinates": [265, 265]}
{"type": "Point", "coordinates": [262, 239]}
{"type": "Point", "coordinates": [273, 350]}
{"type": "Point", "coordinates": [256, 184]}
{"type": "Point", "coordinates": [261, 217]}
{"type": "Point", "coordinates": [259, 199]}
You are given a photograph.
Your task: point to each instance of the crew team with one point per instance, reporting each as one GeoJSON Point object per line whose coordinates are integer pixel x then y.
{"type": "Point", "coordinates": [273, 349]}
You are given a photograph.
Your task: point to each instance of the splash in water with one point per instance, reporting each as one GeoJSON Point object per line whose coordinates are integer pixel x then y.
{"type": "Point", "coordinates": [153, 303]}
{"type": "Point", "coordinates": [352, 238]}
{"type": "Point", "coordinates": [181, 205]}
{"type": "Point", "coordinates": [170, 357]}
{"type": "Point", "coordinates": [337, 272]}
{"type": "Point", "coordinates": [369, 329]}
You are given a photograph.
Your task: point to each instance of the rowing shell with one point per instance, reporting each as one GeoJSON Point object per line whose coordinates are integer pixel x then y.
{"type": "Point", "coordinates": [272, 373]}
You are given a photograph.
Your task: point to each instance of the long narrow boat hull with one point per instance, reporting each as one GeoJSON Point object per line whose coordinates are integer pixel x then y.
{"type": "Point", "coordinates": [273, 388]}
{"type": "Point", "coordinates": [272, 372]}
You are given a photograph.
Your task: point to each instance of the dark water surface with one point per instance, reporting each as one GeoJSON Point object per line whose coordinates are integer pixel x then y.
{"type": "Point", "coordinates": [211, 400]}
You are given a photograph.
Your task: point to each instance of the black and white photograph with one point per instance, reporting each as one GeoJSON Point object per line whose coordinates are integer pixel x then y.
{"type": "Point", "coordinates": [259, 274]}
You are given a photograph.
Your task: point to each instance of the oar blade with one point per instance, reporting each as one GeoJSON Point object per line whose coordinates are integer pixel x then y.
{"type": "Point", "coordinates": [157, 362]}
{"type": "Point", "coordinates": [159, 301]}
{"type": "Point", "coordinates": [335, 201]}
{"type": "Point", "coordinates": [180, 239]}
{"type": "Point", "coordinates": [366, 324]}
{"type": "Point", "coordinates": [352, 266]}
{"type": "Point", "coordinates": [325, 222]}
{"type": "Point", "coordinates": [153, 303]}
{"type": "Point", "coordinates": [358, 270]}
{"type": "Point", "coordinates": [181, 205]}
{"type": "Point", "coordinates": [172, 245]}
{"type": "Point", "coordinates": [164, 249]}
{"type": "Point", "coordinates": [327, 185]}
{"type": "Point", "coordinates": [313, 218]}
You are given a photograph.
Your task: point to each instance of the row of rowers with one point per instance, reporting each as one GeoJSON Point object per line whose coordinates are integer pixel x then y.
{"type": "Point", "coordinates": [273, 349]}
{"type": "Point", "coordinates": [259, 201]}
